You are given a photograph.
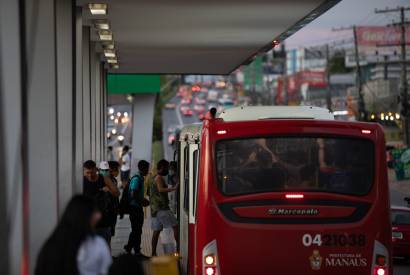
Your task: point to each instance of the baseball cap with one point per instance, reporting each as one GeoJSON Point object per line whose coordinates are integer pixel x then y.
{"type": "Point", "coordinates": [104, 165]}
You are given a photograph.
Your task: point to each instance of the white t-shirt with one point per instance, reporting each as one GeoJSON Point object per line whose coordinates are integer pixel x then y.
{"type": "Point", "coordinates": [94, 257]}
{"type": "Point", "coordinates": [126, 162]}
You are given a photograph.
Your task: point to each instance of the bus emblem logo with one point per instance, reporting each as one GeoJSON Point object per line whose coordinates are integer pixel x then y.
{"type": "Point", "coordinates": [297, 212]}
{"type": "Point", "coordinates": [316, 260]}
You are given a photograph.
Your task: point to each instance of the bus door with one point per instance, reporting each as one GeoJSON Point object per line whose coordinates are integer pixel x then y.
{"type": "Point", "coordinates": [189, 156]}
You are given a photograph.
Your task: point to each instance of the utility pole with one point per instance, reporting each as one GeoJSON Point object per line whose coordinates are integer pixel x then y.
{"type": "Point", "coordinates": [405, 111]}
{"type": "Point", "coordinates": [329, 90]}
{"type": "Point", "coordinates": [285, 73]}
{"type": "Point", "coordinates": [361, 105]}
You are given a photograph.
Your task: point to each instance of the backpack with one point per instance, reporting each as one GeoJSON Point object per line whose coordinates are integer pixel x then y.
{"type": "Point", "coordinates": [105, 204]}
{"type": "Point", "coordinates": [124, 201]}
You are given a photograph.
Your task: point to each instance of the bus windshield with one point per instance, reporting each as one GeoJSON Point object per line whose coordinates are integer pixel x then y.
{"type": "Point", "coordinates": [400, 217]}
{"type": "Point", "coordinates": [274, 164]}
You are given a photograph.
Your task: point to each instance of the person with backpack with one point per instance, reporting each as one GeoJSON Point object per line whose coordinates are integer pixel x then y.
{"type": "Point", "coordinates": [133, 201]}
{"type": "Point", "coordinates": [102, 190]}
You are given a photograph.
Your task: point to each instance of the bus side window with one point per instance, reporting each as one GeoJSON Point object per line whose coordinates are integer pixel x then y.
{"type": "Point", "coordinates": [186, 178]}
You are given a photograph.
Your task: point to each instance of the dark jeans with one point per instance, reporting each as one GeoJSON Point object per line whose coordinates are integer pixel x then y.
{"type": "Point", "coordinates": [137, 221]}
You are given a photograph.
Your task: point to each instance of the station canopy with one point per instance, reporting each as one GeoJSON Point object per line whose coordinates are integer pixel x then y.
{"type": "Point", "coordinates": [199, 36]}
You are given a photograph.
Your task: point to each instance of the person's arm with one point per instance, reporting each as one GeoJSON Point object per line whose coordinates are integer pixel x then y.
{"type": "Point", "coordinates": [321, 153]}
{"type": "Point", "coordinates": [111, 187]}
{"type": "Point", "coordinates": [159, 182]}
{"type": "Point", "coordinates": [136, 188]}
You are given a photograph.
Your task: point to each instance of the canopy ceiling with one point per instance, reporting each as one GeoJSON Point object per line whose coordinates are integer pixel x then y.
{"type": "Point", "coordinates": [201, 36]}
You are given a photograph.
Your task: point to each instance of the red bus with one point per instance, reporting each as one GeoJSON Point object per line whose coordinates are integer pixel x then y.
{"type": "Point", "coordinates": [283, 190]}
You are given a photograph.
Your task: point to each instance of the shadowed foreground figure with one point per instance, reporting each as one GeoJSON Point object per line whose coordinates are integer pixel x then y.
{"type": "Point", "coordinates": [127, 264]}
{"type": "Point", "coordinates": [73, 248]}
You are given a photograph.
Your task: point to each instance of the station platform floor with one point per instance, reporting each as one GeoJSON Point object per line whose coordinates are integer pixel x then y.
{"type": "Point", "coordinates": [122, 231]}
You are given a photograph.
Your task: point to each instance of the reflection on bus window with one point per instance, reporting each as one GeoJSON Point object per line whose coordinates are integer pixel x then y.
{"type": "Point", "coordinates": [337, 165]}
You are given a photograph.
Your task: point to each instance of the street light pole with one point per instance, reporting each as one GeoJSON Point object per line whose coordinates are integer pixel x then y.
{"type": "Point", "coordinates": [329, 90]}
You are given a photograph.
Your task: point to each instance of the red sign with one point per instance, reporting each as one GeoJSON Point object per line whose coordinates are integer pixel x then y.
{"type": "Point", "coordinates": [313, 78]}
{"type": "Point", "coordinates": [294, 82]}
{"type": "Point", "coordinates": [373, 36]}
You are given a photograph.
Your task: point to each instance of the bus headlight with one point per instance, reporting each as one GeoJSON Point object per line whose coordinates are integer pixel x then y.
{"type": "Point", "coordinates": [397, 235]}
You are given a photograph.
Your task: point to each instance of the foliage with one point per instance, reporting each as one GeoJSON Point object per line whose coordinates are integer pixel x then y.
{"type": "Point", "coordinates": [337, 65]}
{"type": "Point", "coordinates": [167, 92]}
{"type": "Point", "coordinates": [157, 151]}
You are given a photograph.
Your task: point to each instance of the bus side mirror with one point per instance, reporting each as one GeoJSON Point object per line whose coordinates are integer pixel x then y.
{"type": "Point", "coordinates": [407, 199]}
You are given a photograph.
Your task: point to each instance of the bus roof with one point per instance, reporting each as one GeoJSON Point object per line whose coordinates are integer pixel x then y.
{"type": "Point", "coordinates": [246, 113]}
{"type": "Point", "coordinates": [191, 133]}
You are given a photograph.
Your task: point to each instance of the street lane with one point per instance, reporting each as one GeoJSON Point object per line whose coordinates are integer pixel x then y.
{"type": "Point", "coordinates": [174, 118]}
{"type": "Point", "coordinates": [169, 118]}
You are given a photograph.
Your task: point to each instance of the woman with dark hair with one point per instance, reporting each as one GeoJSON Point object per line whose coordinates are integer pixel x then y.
{"type": "Point", "coordinates": [73, 248]}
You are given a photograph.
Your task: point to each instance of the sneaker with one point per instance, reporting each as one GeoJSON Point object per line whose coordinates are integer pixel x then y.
{"type": "Point", "coordinates": [127, 249]}
{"type": "Point", "coordinates": [139, 254]}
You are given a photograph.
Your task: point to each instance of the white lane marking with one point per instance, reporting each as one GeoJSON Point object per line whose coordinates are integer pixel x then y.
{"type": "Point", "coordinates": [179, 114]}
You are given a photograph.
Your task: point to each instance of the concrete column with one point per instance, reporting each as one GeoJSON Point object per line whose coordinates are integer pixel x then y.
{"type": "Point", "coordinates": [97, 110]}
{"type": "Point", "coordinates": [11, 228]}
{"type": "Point", "coordinates": [65, 91]}
{"type": "Point", "coordinates": [142, 124]}
{"type": "Point", "coordinates": [93, 103]}
{"type": "Point", "coordinates": [103, 114]}
{"type": "Point", "coordinates": [105, 110]}
{"type": "Point", "coordinates": [42, 124]}
{"type": "Point", "coordinates": [87, 153]}
{"type": "Point", "coordinates": [78, 110]}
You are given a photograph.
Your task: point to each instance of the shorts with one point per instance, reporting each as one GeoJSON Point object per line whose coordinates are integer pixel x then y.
{"type": "Point", "coordinates": [125, 175]}
{"type": "Point", "coordinates": [164, 219]}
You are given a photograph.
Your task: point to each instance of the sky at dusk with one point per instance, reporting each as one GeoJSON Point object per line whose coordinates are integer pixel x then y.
{"type": "Point", "coordinates": [345, 14]}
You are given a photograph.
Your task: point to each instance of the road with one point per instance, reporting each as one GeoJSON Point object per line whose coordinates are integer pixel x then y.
{"type": "Point", "coordinates": [174, 117]}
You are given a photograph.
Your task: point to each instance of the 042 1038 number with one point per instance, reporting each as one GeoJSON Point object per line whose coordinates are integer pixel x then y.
{"type": "Point", "coordinates": [344, 240]}
{"type": "Point", "coordinates": [334, 240]}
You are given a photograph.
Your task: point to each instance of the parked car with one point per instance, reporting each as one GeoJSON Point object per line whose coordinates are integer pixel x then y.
{"type": "Point", "coordinates": [400, 217]}
{"type": "Point", "coordinates": [195, 88]}
{"type": "Point", "coordinates": [182, 91]}
{"type": "Point", "coordinates": [171, 129]}
{"type": "Point", "coordinates": [171, 139]}
{"type": "Point", "coordinates": [170, 106]}
{"type": "Point", "coordinates": [199, 108]}
{"type": "Point", "coordinates": [186, 101]}
{"type": "Point", "coordinates": [200, 99]}
{"type": "Point", "coordinates": [186, 110]}
{"type": "Point", "coordinates": [213, 96]}
{"type": "Point", "coordinates": [201, 116]}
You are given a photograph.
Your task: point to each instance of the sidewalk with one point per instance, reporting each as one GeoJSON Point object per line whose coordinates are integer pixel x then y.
{"type": "Point", "coordinates": [402, 186]}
